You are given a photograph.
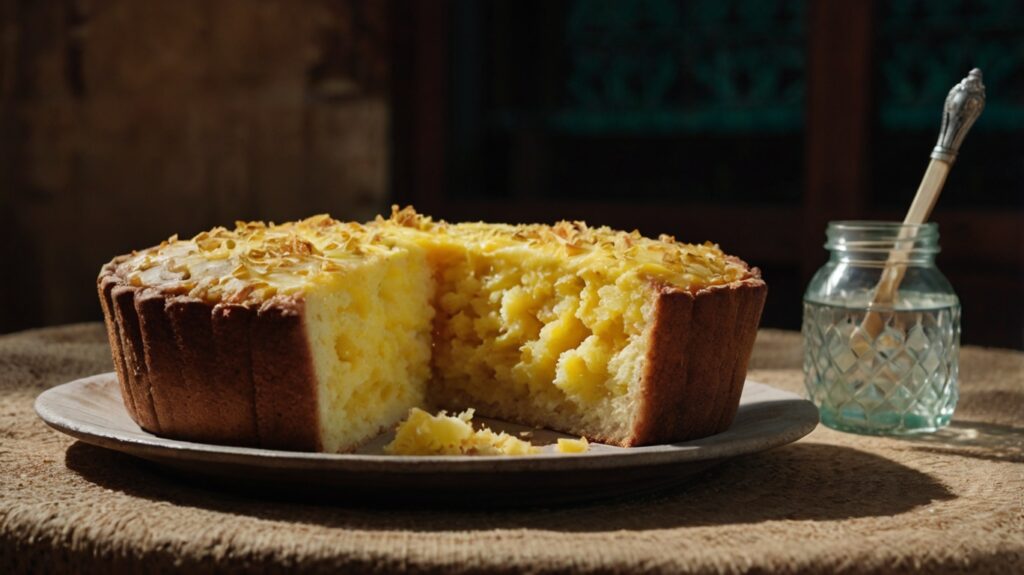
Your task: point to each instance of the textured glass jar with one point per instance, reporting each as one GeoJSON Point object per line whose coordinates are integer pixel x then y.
{"type": "Point", "coordinates": [894, 373]}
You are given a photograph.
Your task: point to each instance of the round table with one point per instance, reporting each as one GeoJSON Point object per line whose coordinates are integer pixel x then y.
{"type": "Point", "coordinates": [832, 502]}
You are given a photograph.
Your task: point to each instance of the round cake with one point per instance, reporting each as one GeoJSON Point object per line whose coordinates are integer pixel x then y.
{"type": "Point", "coordinates": [317, 335]}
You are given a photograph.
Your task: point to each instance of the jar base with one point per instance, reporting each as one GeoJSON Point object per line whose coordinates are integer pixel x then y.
{"type": "Point", "coordinates": [891, 424]}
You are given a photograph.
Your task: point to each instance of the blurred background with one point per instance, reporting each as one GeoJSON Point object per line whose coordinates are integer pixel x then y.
{"type": "Point", "coordinates": [750, 123]}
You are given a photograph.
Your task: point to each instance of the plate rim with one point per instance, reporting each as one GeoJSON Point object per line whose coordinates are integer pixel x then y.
{"type": "Point", "coordinates": [802, 413]}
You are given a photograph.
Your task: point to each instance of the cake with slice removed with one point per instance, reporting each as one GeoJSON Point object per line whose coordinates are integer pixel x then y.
{"type": "Point", "coordinates": [319, 334]}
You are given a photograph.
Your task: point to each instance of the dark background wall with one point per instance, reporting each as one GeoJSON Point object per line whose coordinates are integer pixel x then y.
{"type": "Point", "coordinates": [123, 122]}
{"type": "Point", "coordinates": [750, 123]}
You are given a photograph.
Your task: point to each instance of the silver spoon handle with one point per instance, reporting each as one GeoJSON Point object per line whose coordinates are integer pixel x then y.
{"type": "Point", "coordinates": [963, 106]}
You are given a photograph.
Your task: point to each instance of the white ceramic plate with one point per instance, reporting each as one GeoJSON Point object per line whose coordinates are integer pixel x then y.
{"type": "Point", "coordinates": [90, 409]}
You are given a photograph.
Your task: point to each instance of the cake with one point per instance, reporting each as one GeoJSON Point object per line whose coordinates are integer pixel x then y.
{"type": "Point", "coordinates": [317, 335]}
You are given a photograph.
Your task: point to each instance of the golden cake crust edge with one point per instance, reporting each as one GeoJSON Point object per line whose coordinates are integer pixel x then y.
{"type": "Point", "coordinates": [212, 373]}
{"type": "Point", "coordinates": [697, 360]}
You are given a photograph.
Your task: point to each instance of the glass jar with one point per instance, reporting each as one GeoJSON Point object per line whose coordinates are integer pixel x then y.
{"type": "Point", "coordinates": [875, 363]}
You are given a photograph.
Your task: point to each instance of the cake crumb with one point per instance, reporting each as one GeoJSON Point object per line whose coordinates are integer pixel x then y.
{"type": "Point", "coordinates": [442, 434]}
{"type": "Point", "coordinates": [565, 445]}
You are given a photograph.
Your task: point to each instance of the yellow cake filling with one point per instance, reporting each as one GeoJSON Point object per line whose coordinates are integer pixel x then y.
{"type": "Point", "coordinates": [371, 342]}
{"type": "Point", "coordinates": [541, 324]}
{"type": "Point", "coordinates": [519, 336]}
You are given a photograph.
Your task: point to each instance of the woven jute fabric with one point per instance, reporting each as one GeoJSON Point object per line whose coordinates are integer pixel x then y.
{"type": "Point", "coordinates": [832, 502]}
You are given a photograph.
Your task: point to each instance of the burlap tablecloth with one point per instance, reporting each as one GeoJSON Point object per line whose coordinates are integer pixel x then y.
{"type": "Point", "coordinates": [833, 502]}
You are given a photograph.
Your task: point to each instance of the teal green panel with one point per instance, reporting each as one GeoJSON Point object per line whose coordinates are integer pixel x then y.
{"type": "Point", "coordinates": [665, 66]}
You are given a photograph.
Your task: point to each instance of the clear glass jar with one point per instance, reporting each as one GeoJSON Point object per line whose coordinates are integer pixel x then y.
{"type": "Point", "coordinates": [875, 364]}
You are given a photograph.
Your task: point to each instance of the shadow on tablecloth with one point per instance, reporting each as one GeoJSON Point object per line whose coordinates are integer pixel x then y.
{"type": "Point", "coordinates": [974, 439]}
{"type": "Point", "coordinates": [801, 482]}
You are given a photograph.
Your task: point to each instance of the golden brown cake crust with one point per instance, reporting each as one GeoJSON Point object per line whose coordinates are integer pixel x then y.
{"type": "Point", "coordinates": [287, 415]}
{"type": "Point", "coordinates": [213, 373]}
{"type": "Point", "coordinates": [697, 361]}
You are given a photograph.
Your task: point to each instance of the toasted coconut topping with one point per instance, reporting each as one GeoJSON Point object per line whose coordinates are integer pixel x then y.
{"type": "Point", "coordinates": [256, 261]}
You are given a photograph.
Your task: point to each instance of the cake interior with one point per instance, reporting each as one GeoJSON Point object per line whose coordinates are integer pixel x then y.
{"type": "Point", "coordinates": [523, 338]}
{"type": "Point", "coordinates": [369, 331]}
{"type": "Point", "coordinates": [512, 334]}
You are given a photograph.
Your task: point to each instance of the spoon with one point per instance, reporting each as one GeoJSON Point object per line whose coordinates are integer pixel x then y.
{"type": "Point", "coordinates": [963, 106]}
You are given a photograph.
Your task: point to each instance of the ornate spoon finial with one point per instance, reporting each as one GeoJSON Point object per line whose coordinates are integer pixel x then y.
{"type": "Point", "coordinates": [963, 106]}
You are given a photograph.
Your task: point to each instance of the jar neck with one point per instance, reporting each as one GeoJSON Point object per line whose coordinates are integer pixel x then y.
{"type": "Point", "coordinates": [868, 243]}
